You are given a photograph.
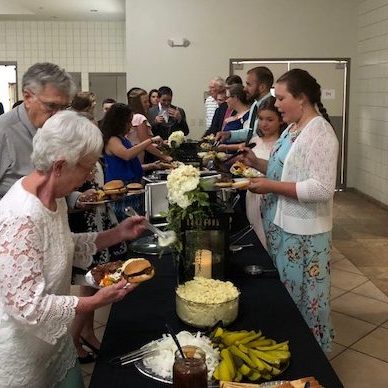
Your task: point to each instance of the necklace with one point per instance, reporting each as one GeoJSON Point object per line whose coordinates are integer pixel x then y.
{"type": "Point", "coordinates": [298, 128]}
{"type": "Point", "coordinates": [295, 134]}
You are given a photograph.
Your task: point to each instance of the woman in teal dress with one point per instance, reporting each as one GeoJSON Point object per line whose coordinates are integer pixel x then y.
{"type": "Point", "coordinates": [297, 205]}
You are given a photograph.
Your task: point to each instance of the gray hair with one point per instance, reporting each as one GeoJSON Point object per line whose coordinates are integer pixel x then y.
{"type": "Point", "coordinates": [65, 136]}
{"type": "Point", "coordinates": [42, 74]}
{"type": "Point", "coordinates": [220, 82]}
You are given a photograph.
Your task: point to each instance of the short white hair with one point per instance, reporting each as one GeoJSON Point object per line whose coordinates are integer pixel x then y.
{"type": "Point", "coordinates": [67, 136]}
{"type": "Point", "coordinates": [219, 81]}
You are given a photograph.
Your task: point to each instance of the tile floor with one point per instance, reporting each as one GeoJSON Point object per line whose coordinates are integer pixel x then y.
{"type": "Point", "coordinates": [359, 294]}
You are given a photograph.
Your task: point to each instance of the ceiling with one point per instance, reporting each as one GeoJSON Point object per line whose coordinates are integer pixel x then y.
{"type": "Point", "coordinates": [107, 10]}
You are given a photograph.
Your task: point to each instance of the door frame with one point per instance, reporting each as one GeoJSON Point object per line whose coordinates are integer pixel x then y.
{"type": "Point", "coordinates": [13, 63]}
{"type": "Point", "coordinates": [345, 103]}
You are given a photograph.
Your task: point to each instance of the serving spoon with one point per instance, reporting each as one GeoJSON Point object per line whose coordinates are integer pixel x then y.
{"type": "Point", "coordinates": [165, 238]}
{"type": "Point", "coordinates": [237, 248]}
{"type": "Point", "coordinates": [257, 270]}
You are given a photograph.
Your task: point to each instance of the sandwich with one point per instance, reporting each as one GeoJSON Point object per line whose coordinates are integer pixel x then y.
{"type": "Point", "coordinates": [134, 186]}
{"type": "Point", "coordinates": [133, 271]}
{"type": "Point", "coordinates": [137, 270]}
{"type": "Point", "coordinates": [239, 168]}
{"type": "Point", "coordinates": [115, 187]}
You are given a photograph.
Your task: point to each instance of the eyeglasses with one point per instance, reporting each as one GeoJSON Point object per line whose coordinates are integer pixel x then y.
{"type": "Point", "coordinates": [91, 169]}
{"type": "Point", "coordinates": [50, 106]}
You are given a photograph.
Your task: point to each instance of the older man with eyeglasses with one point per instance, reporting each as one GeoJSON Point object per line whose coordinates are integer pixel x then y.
{"type": "Point", "coordinates": [46, 89]}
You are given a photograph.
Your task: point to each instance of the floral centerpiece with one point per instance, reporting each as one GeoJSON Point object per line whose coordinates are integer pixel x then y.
{"type": "Point", "coordinates": [171, 147]}
{"type": "Point", "coordinates": [200, 223]}
{"type": "Point", "coordinates": [186, 199]}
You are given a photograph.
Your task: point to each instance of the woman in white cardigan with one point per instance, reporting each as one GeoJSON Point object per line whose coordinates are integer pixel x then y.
{"type": "Point", "coordinates": [298, 201]}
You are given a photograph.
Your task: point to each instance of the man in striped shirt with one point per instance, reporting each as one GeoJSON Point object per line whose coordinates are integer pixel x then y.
{"type": "Point", "coordinates": [216, 85]}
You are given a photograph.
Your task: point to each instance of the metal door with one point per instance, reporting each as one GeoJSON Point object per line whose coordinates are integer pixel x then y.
{"type": "Point", "coordinates": [107, 85]}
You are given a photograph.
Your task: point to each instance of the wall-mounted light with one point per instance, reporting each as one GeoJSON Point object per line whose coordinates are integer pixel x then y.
{"type": "Point", "coordinates": [182, 42]}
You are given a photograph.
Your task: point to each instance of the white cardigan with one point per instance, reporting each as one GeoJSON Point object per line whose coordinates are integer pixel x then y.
{"type": "Point", "coordinates": [312, 164]}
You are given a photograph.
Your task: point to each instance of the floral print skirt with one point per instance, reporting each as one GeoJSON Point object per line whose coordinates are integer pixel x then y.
{"type": "Point", "coordinates": [304, 269]}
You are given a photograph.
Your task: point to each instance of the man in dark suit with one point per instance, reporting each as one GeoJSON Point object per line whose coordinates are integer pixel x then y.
{"type": "Point", "coordinates": [166, 118]}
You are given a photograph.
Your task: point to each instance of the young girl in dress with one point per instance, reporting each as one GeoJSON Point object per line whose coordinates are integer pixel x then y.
{"type": "Point", "coordinates": [271, 125]}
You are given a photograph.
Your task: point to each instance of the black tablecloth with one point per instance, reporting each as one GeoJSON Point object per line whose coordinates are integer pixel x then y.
{"type": "Point", "coordinates": [264, 304]}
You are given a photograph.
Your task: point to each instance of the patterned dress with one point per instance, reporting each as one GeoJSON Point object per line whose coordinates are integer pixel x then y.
{"type": "Point", "coordinates": [302, 260]}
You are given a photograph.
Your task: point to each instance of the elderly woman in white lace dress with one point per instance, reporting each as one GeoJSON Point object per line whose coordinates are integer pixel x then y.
{"type": "Point", "coordinates": [37, 251]}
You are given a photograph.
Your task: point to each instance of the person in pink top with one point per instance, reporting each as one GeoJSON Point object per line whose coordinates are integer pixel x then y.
{"type": "Point", "coordinates": [141, 129]}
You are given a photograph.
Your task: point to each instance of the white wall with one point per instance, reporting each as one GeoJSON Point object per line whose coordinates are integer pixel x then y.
{"type": "Point", "coordinates": [220, 30]}
{"type": "Point", "coordinates": [372, 113]}
{"type": "Point", "coordinates": [77, 46]}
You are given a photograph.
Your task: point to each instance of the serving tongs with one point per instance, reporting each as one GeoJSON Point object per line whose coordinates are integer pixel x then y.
{"type": "Point", "coordinates": [238, 152]}
{"type": "Point", "coordinates": [134, 356]}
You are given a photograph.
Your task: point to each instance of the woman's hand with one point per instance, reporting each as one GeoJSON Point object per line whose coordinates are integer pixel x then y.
{"type": "Point", "coordinates": [87, 196]}
{"type": "Point", "coordinates": [131, 227]}
{"type": "Point", "coordinates": [222, 136]}
{"type": "Point", "coordinates": [248, 157]}
{"type": "Point", "coordinates": [260, 185]}
{"type": "Point", "coordinates": [175, 113]}
{"type": "Point", "coordinates": [167, 159]}
{"type": "Point", "coordinates": [104, 296]}
{"type": "Point", "coordinates": [159, 119]}
{"type": "Point", "coordinates": [114, 293]}
{"type": "Point", "coordinates": [157, 140]}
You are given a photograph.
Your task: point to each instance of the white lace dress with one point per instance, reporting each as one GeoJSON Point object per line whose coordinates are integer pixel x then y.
{"type": "Point", "coordinates": [37, 251]}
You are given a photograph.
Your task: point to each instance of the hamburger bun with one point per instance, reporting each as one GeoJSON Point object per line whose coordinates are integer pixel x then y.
{"type": "Point", "coordinates": [134, 186]}
{"type": "Point", "coordinates": [242, 184]}
{"type": "Point", "coordinates": [137, 270]}
{"type": "Point", "coordinates": [223, 184]}
{"type": "Point", "coordinates": [114, 187]}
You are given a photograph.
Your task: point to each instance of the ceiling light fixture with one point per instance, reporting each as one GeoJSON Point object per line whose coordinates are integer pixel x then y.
{"type": "Point", "coordinates": [94, 10]}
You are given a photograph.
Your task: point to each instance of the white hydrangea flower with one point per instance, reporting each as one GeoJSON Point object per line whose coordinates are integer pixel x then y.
{"type": "Point", "coordinates": [181, 181]}
{"type": "Point", "coordinates": [177, 137]}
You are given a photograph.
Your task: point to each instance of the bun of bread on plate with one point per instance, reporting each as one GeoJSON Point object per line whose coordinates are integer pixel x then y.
{"type": "Point", "coordinates": [223, 185]}
{"type": "Point", "coordinates": [115, 187]}
{"type": "Point", "coordinates": [241, 184]}
{"type": "Point", "coordinates": [134, 186]}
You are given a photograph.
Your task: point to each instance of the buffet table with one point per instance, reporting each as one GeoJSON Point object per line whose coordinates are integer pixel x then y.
{"type": "Point", "coordinates": [264, 304]}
